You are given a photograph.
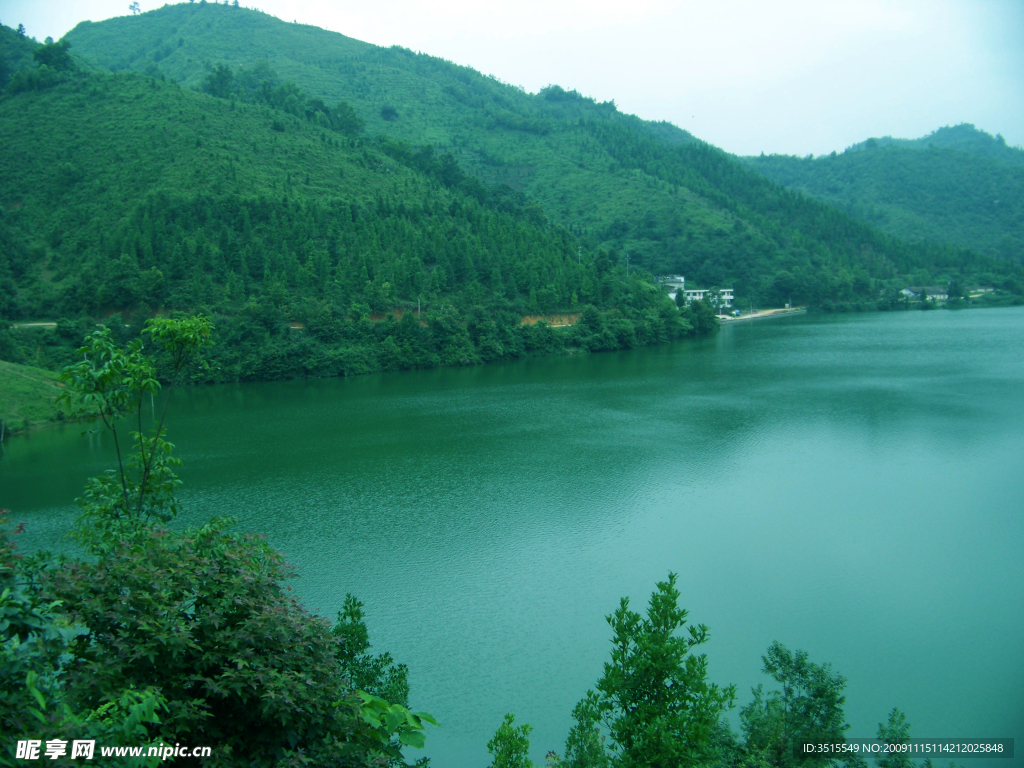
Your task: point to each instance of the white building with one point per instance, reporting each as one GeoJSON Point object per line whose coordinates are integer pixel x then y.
{"type": "Point", "coordinates": [723, 299]}
{"type": "Point", "coordinates": [677, 283]}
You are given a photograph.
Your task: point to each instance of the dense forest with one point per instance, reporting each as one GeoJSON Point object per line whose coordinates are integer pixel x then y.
{"type": "Point", "coordinates": [958, 186]}
{"type": "Point", "coordinates": [649, 190]}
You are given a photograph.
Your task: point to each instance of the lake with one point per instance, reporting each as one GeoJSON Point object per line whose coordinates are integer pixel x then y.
{"type": "Point", "coordinates": [848, 485]}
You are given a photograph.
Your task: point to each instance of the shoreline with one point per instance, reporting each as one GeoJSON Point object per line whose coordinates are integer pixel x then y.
{"type": "Point", "coordinates": [725, 319]}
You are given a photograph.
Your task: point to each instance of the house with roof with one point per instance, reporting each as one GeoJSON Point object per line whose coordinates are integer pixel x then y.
{"type": "Point", "coordinates": [722, 298]}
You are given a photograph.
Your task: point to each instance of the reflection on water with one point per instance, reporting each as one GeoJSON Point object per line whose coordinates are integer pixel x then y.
{"type": "Point", "coordinates": [847, 485]}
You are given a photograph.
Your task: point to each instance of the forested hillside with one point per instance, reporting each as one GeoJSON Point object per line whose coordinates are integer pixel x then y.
{"type": "Point", "coordinates": [318, 252]}
{"type": "Point", "coordinates": [15, 53]}
{"type": "Point", "coordinates": [958, 186]}
{"type": "Point", "coordinates": [652, 191]}
{"type": "Point", "coordinates": [342, 208]}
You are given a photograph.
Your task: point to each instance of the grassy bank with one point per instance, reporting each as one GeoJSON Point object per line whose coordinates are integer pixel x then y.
{"type": "Point", "coordinates": [27, 397]}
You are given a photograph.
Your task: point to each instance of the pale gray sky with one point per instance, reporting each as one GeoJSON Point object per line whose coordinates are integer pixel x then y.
{"type": "Point", "coordinates": [792, 76]}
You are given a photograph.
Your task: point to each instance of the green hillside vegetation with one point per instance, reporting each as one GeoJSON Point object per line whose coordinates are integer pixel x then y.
{"type": "Point", "coordinates": [340, 208]}
{"type": "Point", "coordinates": [318, 253]}
{"type": "Point", "coordinates": [15, 53]}
{"type": "Point", "coordinates": [27, 397]}
{"type": "Point", "coordinates": [957, 186]}
{"type": "Point", "coordinates": [964, 137]}
{"type": "Point", "coordinates": [674, 204]}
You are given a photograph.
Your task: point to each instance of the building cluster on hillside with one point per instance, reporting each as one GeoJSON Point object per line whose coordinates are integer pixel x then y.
{"type": "Point", "coordinates": [721, 297]}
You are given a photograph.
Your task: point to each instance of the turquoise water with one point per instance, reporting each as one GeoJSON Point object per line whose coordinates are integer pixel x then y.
{"type": "Point", "coordinates": [851, 486]}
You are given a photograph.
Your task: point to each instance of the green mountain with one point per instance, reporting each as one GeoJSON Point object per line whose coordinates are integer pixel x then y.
{"type": "Point", "coordinates": [341, 208]}
{"type": "Point", "coordinates": [964, 137]}
{"type": "Point", "coordinates": [318, 252]}
{"type": "Point", "coordinates": [652, 191]}
{"type": "Point", "coordinates": [958, 186]}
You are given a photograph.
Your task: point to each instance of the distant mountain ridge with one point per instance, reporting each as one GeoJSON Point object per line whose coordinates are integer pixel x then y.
{"type": "Point", "coordinates": [964, 137]}
{"type": "Point", "coordinates": [959, 186]}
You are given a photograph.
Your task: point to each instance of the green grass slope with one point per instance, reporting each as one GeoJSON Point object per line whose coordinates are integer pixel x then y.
{"type": "Point", "coordinates": [958, 186]}
{"type": "Point", "coordinates": [672, 203]}
{"type": "Point", "coordinates": [27, 397]}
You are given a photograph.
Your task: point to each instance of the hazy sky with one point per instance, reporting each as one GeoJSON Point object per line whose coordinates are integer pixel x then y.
{"type": "Point", "coordinates": [789, 76]}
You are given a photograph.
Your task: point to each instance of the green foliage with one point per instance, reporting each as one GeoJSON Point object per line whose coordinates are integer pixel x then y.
{"type": "Point", "coordinates": [35, 638]}
{"type": "Point", "coordinates": [15, 52]}
{"type": "Point", "coordinates": [616, 182]}
{"type": "Point", "coordinates": [109, 384]}
{"type": "Point", "coordinates": [809, 708]}
{"type": "Point", "coordinates": [282, 264]}
{"type": "Point", "coordinates": [654, 698]}
{"type": "Point", "coordinates": [261, 85]}
{"type": "Point", "coordinates": [55, 56]}
{"type": "Point", "coordinates": [585, 745]}
{"type": "Point", "coordinates": [895, 732]}
{"type": "Point", "coordinates": [510, 746]}
{"type": "Point", "coordinates": [704, 316]}
{"type": "Point", "coordinates": [25, 65]}
{"type": "Point", "coordinates": [377, 675]}
{"type": "Point", "coordinates": [268, 210]}
{"type": "Point", "coordinates": [964, 137]}
{"type": "Point", "coordinates": [202, 616]}
{"type": "Point", "coordinates": [391, 721]}
{"type": "Point", "coordinates": [958, 186]}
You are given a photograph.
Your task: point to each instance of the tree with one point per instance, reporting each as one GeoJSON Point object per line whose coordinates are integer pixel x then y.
{"type": "Point", "coordinates": [219, 82]}
{"type": "Point", "coordinates": [585, 746]}
{"type": "Point", "coordinates": [510, 746]}
{"type": "Point", "coordinates": [35, 638]}
{"type": "Point", "coordinates": [703, 316]}
{"type": "Point", "coordinates": [896, 734]}
{"type": "Point", "coordinates": [108, 384]}
{"type": "Point", "coordinates": [134, 8]}
{"type": "Point", "coordinates": [21, 30]}
{"type": "Point", "coordinates": [378, 675]}
{"type": "Point", "coordinates": [344, 119]}
{"type": "Point", "coordinates": [654, 699]}
{"type": "Point", "coordinates": [809, 708]}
